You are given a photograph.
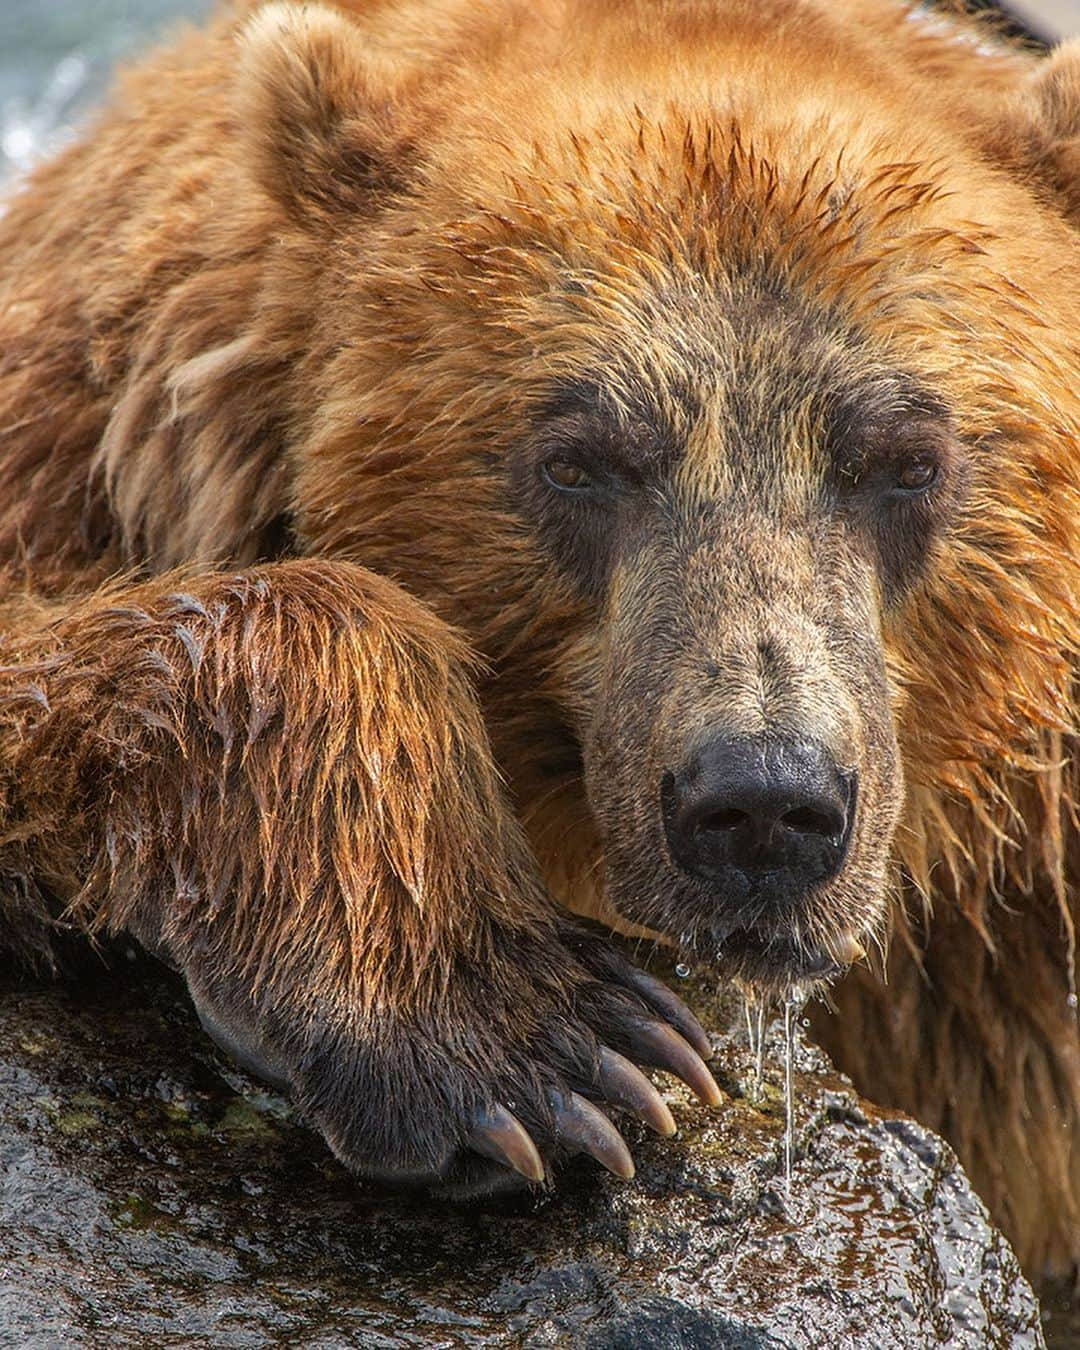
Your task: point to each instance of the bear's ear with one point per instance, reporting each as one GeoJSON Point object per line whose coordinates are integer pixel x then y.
{"type": "Point", "coordinates": [328, 126]}
{"type": "Point", "coordinates": [1055, 90]}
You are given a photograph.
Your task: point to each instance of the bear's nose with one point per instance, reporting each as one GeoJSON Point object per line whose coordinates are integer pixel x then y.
{"type": "Point", "coordinates": [771, 810]}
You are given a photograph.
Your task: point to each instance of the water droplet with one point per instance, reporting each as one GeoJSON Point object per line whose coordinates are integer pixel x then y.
{"type": "Point", "coordinates": [1071, 1001]}
{"type": "Point", "coordinates": [682, 970]}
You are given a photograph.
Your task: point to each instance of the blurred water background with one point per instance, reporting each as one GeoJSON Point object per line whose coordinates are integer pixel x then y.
{"type": "Point", "coordinates": [55, 60]}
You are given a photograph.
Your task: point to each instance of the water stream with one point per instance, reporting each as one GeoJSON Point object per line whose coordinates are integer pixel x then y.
{"type": "Point", "coordinates": [755, 1010]}
{"type": "Point", "coordinates": [793, 1005]}
{"type": "Point", "coordinates": [754, 1007]}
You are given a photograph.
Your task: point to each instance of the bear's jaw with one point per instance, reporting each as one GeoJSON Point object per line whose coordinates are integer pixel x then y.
{"type": "Point", "coordinates": [810, 948]}
{"type": "Point", "coordinates": [764, 959]}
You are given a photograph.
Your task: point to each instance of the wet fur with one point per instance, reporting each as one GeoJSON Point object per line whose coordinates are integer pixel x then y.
{"type": "Point", "coordinates": [311, 287]}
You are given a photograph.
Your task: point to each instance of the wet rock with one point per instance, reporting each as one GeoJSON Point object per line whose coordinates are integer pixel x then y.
{"type": "Point", "coordinates": [151, 1196]}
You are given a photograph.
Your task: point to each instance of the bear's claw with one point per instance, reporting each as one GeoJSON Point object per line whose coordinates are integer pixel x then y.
{"type": "Point", "coordinates": [500, 1136]}
{"type": "Point", "coordinates": [582, 1128]}
{"type": "Point", "coordinates": [672, 1009]}
{"type": "Point", "coordinates": [661, 1047]}
{"type": "Point", "coordinates": [579, 1126]}
{"type": "Point", "coordinates": [624, 1085]}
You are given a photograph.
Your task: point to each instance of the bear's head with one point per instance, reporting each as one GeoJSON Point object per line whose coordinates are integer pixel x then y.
{"type": "Point", "coordinates": [721, 383]}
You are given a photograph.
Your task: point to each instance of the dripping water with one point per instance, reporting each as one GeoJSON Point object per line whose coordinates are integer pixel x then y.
{"type": "Point", "coordinates": [755, 1009]}
{"type": "Point", "coordinates": [754, 1006]}
{"type": "Point", "coordinates": [793, 1003]}
{"type": "Point", "coordinates": [748, 1009]}
{"type": "Point", "coordinates": [789, 1095]}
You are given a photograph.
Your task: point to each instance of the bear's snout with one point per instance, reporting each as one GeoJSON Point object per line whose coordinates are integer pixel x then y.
{"type": "Point", "coordinates": [763, 821]}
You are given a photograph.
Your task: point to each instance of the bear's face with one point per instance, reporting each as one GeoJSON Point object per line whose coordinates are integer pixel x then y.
{"type": "Point", "coordinates": [738, 432]}
{"type": "Point", "coordinates": [742, 501]}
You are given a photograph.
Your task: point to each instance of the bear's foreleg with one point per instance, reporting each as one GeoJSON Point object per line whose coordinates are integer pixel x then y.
{"type": "Point", "coordinates": [279, 781]}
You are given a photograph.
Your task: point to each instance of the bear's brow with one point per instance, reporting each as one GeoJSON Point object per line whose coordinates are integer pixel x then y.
{"type": "Point", "coordinates": [869, 412]}
{"type": "Point", "coordinates": [619, 422]}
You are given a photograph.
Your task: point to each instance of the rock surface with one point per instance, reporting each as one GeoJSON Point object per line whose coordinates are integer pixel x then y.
{"type": "Point", "coordinates": [149, 1196]}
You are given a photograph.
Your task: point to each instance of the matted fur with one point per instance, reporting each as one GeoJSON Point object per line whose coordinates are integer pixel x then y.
{"type": "Point", "coordinates": [305, 290]}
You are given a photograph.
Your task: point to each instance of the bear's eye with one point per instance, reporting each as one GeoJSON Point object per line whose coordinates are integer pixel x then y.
{"type": "Point", "coordinates": [566, 476]}
{"type": "Point", "coordinates": [917, 474]}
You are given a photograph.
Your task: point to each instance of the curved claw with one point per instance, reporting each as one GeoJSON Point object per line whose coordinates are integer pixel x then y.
{"type": "Point", "coordinates": [581, 1126]}
{"type": "Point", "coordinates": [626, 1086]}
{"type": "Point", "coordinates": [671, 1007]}
{"type": "Point", "coordinates": [658, 1046]}
{"type": "Point", "coordinates": [501, 1136]}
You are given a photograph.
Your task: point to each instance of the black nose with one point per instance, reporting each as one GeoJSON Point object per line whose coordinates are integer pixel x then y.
{"type": "Point", "coordinates": [751, 811]}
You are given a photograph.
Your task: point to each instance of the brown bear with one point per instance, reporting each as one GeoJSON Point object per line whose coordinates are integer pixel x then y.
{"type": "Point", "coordinates": [461, 454]}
